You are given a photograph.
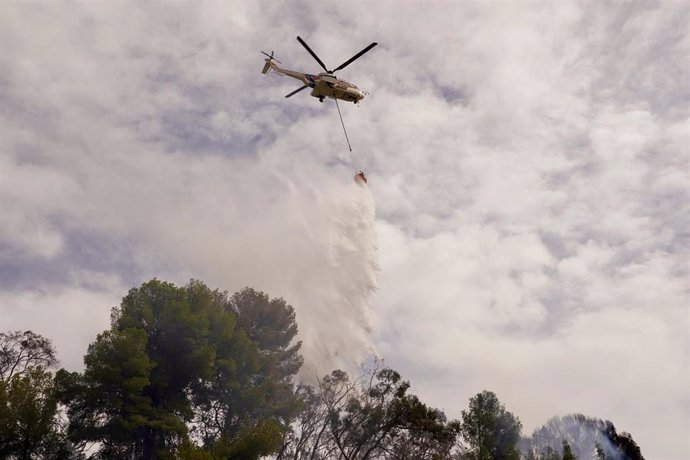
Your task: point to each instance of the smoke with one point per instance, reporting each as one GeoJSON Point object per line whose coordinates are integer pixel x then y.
{"type": "Point", "coordinates": [584, 434]}
{"type": "Point", "coordinates": [305, 236]}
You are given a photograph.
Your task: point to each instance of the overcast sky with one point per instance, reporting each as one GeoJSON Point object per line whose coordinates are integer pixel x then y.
{"type": "Point", "coordinates": [525, 229]}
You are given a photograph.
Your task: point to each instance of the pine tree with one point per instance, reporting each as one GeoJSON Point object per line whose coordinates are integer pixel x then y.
{"type": "Point", "coordinates": [491, 432]}
{"type": "Point", "coordinates": [568, 451]}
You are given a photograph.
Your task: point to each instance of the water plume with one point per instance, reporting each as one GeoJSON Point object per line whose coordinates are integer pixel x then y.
{"type": "Point", "coordinates": [332, 302]}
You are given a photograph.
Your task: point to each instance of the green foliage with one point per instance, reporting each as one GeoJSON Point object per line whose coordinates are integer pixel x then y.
{"type": "Point", "coordinates": [262, 387]}
{"type": "Point", "coordinates": [29, 425]}
{"type": "Point", "coordinates": [134, 396]}
{"type": "Point", "coordinates": [491, 432]}
{"type": "Point", "coordinates": [108, 402]}
{"type": "Point", "coordinates": [262, 438]}
{"type": "Point", "coordinates": [256, 388]}
{"type": "Point", "coordinates": [190, 373]}
{"type": "Point", "coordinates": [27, 411]}
{"type": "Point", "coordinates": [185, 372]}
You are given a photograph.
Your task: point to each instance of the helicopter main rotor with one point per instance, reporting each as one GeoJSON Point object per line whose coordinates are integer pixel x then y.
{"type": "Point", "coordinates": [341, 66]}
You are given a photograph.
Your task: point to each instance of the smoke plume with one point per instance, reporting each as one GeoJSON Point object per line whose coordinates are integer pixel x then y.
{"type": "Point", "coordinates": [588, 438]}
{"type": "Point", "coordinates": [309, 240]}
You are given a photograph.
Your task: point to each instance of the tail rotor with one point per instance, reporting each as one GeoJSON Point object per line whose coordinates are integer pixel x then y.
{"type": "Point", "coordinates": [269, 61]}
{"type": "Point", "coordinates": [270, 56]}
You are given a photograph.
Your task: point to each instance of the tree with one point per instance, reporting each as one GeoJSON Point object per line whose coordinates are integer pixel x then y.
{"type": "Point", "coordinates": [20, 351]}
{"type": "Point", "coordinates": [134, 397]}
{"type": "Point", "coordinates": [548, 453]}
{"type": "Point", "coordinates": [176, 375]}
{"type": "Point", "coordinates": [490, 431]}
{"type": "Point", "coordinates": [370, 417]}
{"type": "Point", "coordinates": [271, 324]}
{"type": "Point", "coordinates": [108, 404]}
{"type": "Point", "coordinates": [266, 396]}
{"type": "Point", "coordinates": [625, 446]}
{"type": "Point", "coordinates": [254, 397]}
{"type": "Point", "coordinates": [28, 404]}
{"type": "Point", "coordinates": [568, 451]}
{"type": "Point", "coordinates": [306, 440]}
{"type": "Point", "coordinates": [587, 437]}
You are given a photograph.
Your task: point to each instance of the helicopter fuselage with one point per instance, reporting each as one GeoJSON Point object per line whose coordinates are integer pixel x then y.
{"type": "Point", "coordinates": [324, 85]}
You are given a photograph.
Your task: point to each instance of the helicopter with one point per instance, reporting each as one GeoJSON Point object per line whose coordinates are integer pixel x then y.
{"type": "Point", "coordinates": [324, 84]}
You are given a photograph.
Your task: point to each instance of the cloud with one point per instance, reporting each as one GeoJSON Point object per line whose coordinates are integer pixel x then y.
{"type": "Point", "coordinates": [69, 316]}
{"type": "Point", "coordinates": [528, 166]}
{"type": "Point", "coordinates": [139, 163]}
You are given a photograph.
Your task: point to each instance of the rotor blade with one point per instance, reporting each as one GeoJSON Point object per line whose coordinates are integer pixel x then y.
{"type": "Point", "coordinates": [313, 54]}
{"type": "Point", "coordinates": [297, 90]}
{"type": "Point", "coordinates": [356, 56]}
{"type": "Point", "coordinates": [270, 56]}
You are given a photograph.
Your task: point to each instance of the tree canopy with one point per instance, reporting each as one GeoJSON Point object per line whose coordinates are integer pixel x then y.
{"type": "Point", "coordinates": [189, 372]}
{"type": "Point", "coordinates": [187, 366]}
{"type": "Point", "coordinates": [490, 431]}
{"type": "Point", "coordinates": [372, 416]}
{"type": "Point", "coordinates": [29, 421]}
{"type": "Point", "coordinates": [582, 437]}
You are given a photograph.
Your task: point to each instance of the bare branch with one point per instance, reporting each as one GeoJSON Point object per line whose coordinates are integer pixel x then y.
{"type": "Point", "coordinates": [20, 351]}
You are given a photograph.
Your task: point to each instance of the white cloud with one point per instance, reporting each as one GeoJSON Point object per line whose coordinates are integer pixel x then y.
{"type": "Point", "coordinates": [528, 164]}
{"type": "Point", "coordinates": [69, 316]}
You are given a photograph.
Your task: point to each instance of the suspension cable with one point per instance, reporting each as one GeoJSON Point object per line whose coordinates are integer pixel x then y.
{"type": "Point", "coordinates": [343, 123]}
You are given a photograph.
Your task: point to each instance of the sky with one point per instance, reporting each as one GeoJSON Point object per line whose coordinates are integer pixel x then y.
{"type": "Point", "coordinates": [525, 225]}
